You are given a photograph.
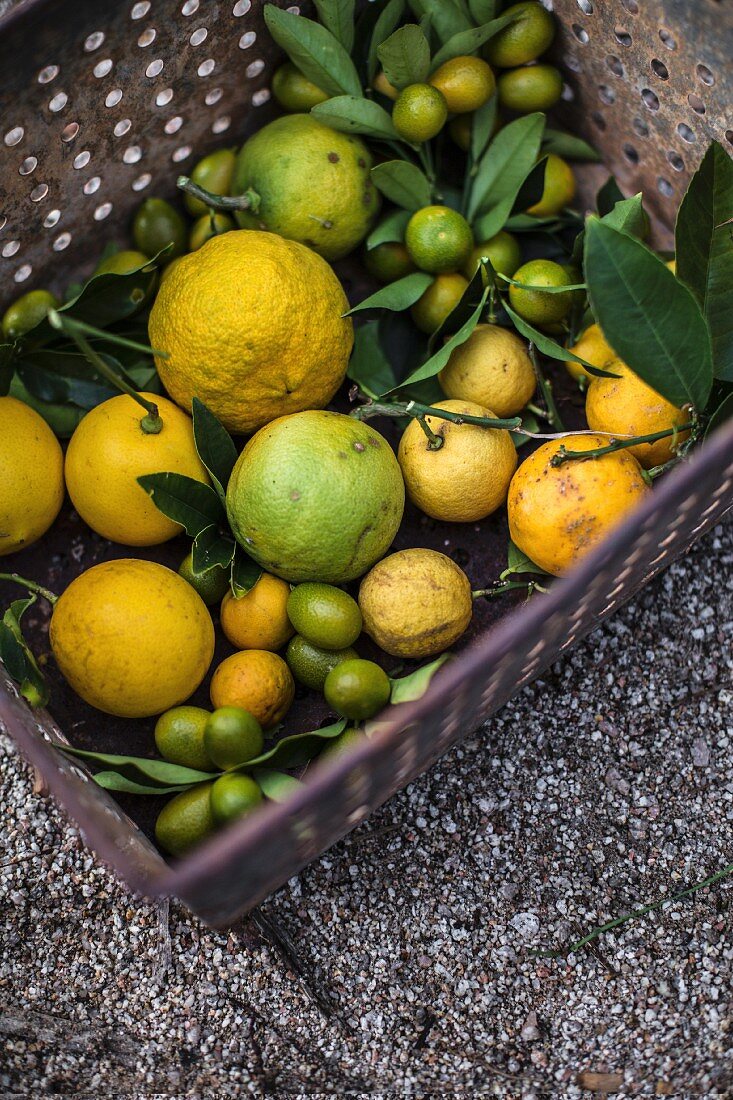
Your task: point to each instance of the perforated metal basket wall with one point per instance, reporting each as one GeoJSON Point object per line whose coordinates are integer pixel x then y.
{"type": "Point", "coordinates": [101, 103]}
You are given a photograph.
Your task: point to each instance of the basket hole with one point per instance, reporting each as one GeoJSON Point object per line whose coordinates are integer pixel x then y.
{"type": "Point", "coordinates": [207, 67]}
{"type": "Point", "coordinates": [241, 7]}
{"type": "Point", "coordinates": [155, 68]}
{"type": "Point", "coordinates": [164, 97]}
{"type": "Point", "coordinates": [260, 97]}
{"type": "Point", "coordinates": [614, 64]}
{"type": "Point", "coordinates": [147, 37]}
{"type": "Point", "coordinates": [103, 68]}
{"type": "Point", "coordinates": [190, 7]}
{"type": "Point", "coordinates": [631, 6]}
{"type": "Point", "coordinates": [686, 133]}
{"type": "Point", "coordinates": [630, 153]}
{"type": "Point", "coordinates": [640, 127]}
{"type": "Point", "coordinates": [173, 125]}
{"type": "Point", "coordinates": [213, 97]}
{"type": "Point", "coordinates": [10, 248]}
{"type": "Point", "coordinates": [93, 41]}
{"type": "Point", "coordinates": [567, 94]}
{"type": "Point", "coordinates": [140, 10]}
{"type": "Point", "coordinates": [729, 136]}
{"type": "Point", "coordinates": [599, 120]}
{"type": "Point", "coordinates": [14, 136]}
{"type": "Point", "coordinates": [607, 95]}
{"type": "Point", "coordinates": [622, 37]}
{"type": "Point", "coordinates": [141, 182]}
{"type": "Point", "coordinates": [47, 74]}
{"type": "Point", "coordinates": [221, 124]}
{"type": "Point", "coordinates": [660, 69]}
{"type": "Point", "coordinates": [132, 154]}
{"type": "Point", "coordinates": [58, 102]}
{"type": "Point", "coordinates": [676, 161]}
{"type": "Point", "coordinates": [23, 273]}
{"type": "Point", "coordinates": [200, 35]}
{"type": "Point", "coordinates": [650, 99]}
{"type": "Point", "coordinates": [92, 185]}
{"type": "Point", "coordinates": [667, 38]}
{"type": "Point", "coordinates": [572, 63]}
{"type": "Point", "coordinates": [122, 127]}
{"type": "Point", "coordinates": [82, 159]}
{"type": "Point", "coordinates": [585, 6]}
{"type": "Point", "coordinates": [665, 187]}
{"type": "Point", "coordinates": [705, 75]}
{"type": "Point", "coordinates": [254, 69]}
{"type": "Point", "coordinates": [581, 34]}
{"type": "Point", "coordinates": [113, 97]}
{"type": "Point", "coordinates": [181, 153]}
{"type": "Point", "coordinates": [28, 165]}
{"type": "Point", "coordinates": [62, 241]}
{"type": "Point", "coordinates": [103, 211]}
{"type": "Point", "coordinates": [51, 219]}
{"type": "Point", "coordinates": [696, 103]}
{"type": "Point", "coordinates": [70, 131]}
{"type": "Point", "coordinates": [248, 39]}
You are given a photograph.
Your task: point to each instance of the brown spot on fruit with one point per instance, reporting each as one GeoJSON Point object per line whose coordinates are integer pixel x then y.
{"type": "Point", "coordinates": [295, 495]}
{"type": "Point", "coordinates": [359, 447]}
{"type": "Point", "coordinates": [361, 162]}
{"type": "Point", "coordinates": [334, 158]}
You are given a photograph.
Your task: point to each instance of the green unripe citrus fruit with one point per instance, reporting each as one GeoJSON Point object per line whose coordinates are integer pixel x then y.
{"type": "Point", "coordinates": [214, 174]}
{"type": "Point", "coordinates": [232, 736]}
{"type": "Point", "coordinates": [503, 252]}
{"type": "Point", "coordinates": [156, 225]}
{"type": "Point", "coordinates": [211, 586]}
{"type": "Point", "coordinates": [438, 301]}
{"type": "Point", "coordinates": [294, 91]}
{"type": "Point", "coordinates": [179, 737]}
{"type": "Point", "coordinates": [388, 261]}
{"type": "Point", "coordinates": [420, 112]}
{"type": "Point", "coordinates": [186, 820]}
{"type": "Point", "coordinates": [26, 312]}
{"type": "Point", "coordinates": [438, 239]}
{"type": "Point", "coordinates": [531, 88]}
{"type": "Point", "coordinates": [325, 616]}
{"type": "Point", "coordinates": [310, 665]}
{"type": "Point", "coordinates": [233, 796]}
{"type": "Point", "coordinates": [121, 263]}
{"type": "Point", "coordinates": [357, 689]}
{"type": "Point", "coordinates": [466, 83]}
{"type": "Point", "coordinates": [342, 744]}
{"type": "Point", "coordinates": [535, 306]}
{"type": "Point", "coordinates": [206, 227]}
{"type": "Point", "coordinates": [524, 39]}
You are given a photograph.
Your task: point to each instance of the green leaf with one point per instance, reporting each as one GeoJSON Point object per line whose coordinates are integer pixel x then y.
{"type": "Point", "coordinates": [113, 781]}
{"type": "Point", "coordinates": [369, 366]}
{"type": "Point", "coordinates": [723, 412]}
{"type": "Point", "coordinates": [398, 295]}
{"type": "Point", "coordinates": [277, 786]}
{"type": "Point", "coordinates": [211, 550]}
{"type": "Point", "coordinates": [355, 115]}
{"type": "Point", "coordinates": [629, 216]}
{"type": "Point", "coordinates": [502, 170]}
{"type": "Point", "coordinates": [185, 501]}
{"type": "Point", "coordinates": [405, 56]}
{"type": "Point", "coordinates": [296, 749]}
{"type": "Point", "coordinates": [437, 361]}
{"type": "Point", "coordinates": [482, 127]}
{"type": "Point", "coordinates": [405, 689]}
{"type": "Point", "coordinates": [529, 421]}
{"type": "Point", "coordinates": [391, 228]}
{"type": "Point", "coordinates": [650, 319]}
{"type": "Point", "coordinates": [518, 563]}
{"type": "Point", "coordinates": [568, 146]}
{"type": "Point", "coordinates": [214, 446]}
{"type": "Point", "coordinates": [315, 51]}
{"type": "Point", "coordinates": [447, 17]}
{"type": "Point", "coordinates": [482, 10]}
{"type": "Point", "coordinates": [12, 654]}
{"type": "Point", "coordinates": [18, 657]}
{"type": "Point", "coordinates": [403, 183]}
{"type": "Point", "coordinates": [245, 572]}
{"type": "Point", "coordinates": [469, 41]}
{"type": "Point", "coordinates": [547, 346]}
{"type": "Point", "coordinates": [532, 187]}
{"type": "Point", "coordinates": [388, 21]}
{"type": "Point", "coordinates": [139, 768]}
{"type": "Point", "coordinates": [609, 194]}
{"type": "Point", "coordinates": [338, 17]}
{"type": "Point", "coordinates": [704, 242]}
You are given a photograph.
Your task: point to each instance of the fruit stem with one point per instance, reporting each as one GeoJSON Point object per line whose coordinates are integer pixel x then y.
{"type": "Point", "coordinates": [543, 289]}
{"type": "Point", "coordinates": [618, 444]}
{"type": "Point", "coordinates": [435, 442]}
{"type": "Point", "coordinates": [552, 415]}
{"type": "Point", "coordinates": [415, 409]}
{"type": "Point", "coordinates": [508, 586]}
{"type": "Point", "coordinates": [249, 200]}
{"type": "Point", "coordinates": [66, 324]}
{"type": "Point", "coordinates": [31, 586]}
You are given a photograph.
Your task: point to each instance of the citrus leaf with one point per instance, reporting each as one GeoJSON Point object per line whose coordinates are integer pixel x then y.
{"type": "Point", "coordinates": [388, 21]}
{"type": "Point", "coordinates": [629, 216]}
{"type": "Point", "coordinates": [650, 319]}
{"type": "Point", "coordinates": [609, 194]}
{"type": "Point", "coordinates": [355, 115]}
{"type": "Point", "coordinates": [482, 127]}
{"type": "Point", "coordinates": [704, 243]}
{"type": "Point", "coordinates": [113, 781]}
{"type": "Point", "coordinates": [369, 366]}
{"type": "Point", "coordinates": [403, 183]}
{"type": "Point", "coordinates": [519, 563]}
{"type": "Point", "coordinates": [315, 51]}
{"type": "Point", "coordinates": [468, 41]}
{"type": "Point", "coordinates": [12, 654]}
{"type": "Point", "coordinates": [398, 295]}
{"type": "Point", "coordinates": [211, 550]}
{"type": "Point", "coordinates": [447, 17]}
{"type": "Point", "coordinates": [547, 346]}
{"type": "Point", "coordinates": [18, 657]}
{"type": "Point", "coordinates": [296, 749]}
{"type": "Point", "coordinates": [391, 228]}
{"type": "Point", "coordinates": [405, 56]}
{"type": "Point", "coordinates": [138, 768]}
{"type": "Point", "coordinates": [531, 188]}
{"type": "Point", "coordinates": [568, 146]}
{"type": "Point", "coordinates": [245, 573]}
{"type": "Point", "coordinates": [338, 17]}
{"type": "Point", "coordinates": [185, 501]}
{"type": "Point", "coordinates": [214, 446]}
{"type": "Point", "coordinates": [723, 412]}
{"type": "Point", "coordinates": [405, 689]}
{"type": "Point", "coordinates": [482, 10]}
{"type": "Point", "coordinates": [437, 361]}
{"type": "Point", "coordinates": [277, 786]}
{"type": "Point", "coordinates": [503, 168]}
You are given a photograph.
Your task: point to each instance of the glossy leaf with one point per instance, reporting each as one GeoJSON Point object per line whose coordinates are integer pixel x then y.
{"type": "Point", "coordinates": [391, 228]}
{"type": "Point", "coordinates": [482, 127]}
{"type": "Point", "coordinates": [388, 21]}
{"type": "Point", "coordinates": [482, 10]}
{"type": "Point", "coordinates": [315, 51]}
{"type": "Point", "coordinates": [296, 749]}
{"type": "Point", "coordinates": [114, 781]}
{"type": "Point", "coordinates": [338, 17]}
{"type": "Point", "coordinates": [140, 768]}
{"type": "Point", "coordinates": [185, 501]}
{"type": "Point", "coordinates": [503, 168]}
{"type": "Point", "coordinates": [518, 563]}
{"type": "Point", "coordinates": [447, 17]}
{"type": "Point", "coordinates": [403, 183]}
{"type": "Point", "coordinates": [649, 317]}
{"type": "Point", "coordinates": [704, 242]}
{"type": "Point", "coordinates": [723, 412]}
{"type": "Point", "coordinates": [18, 657]}
{"type": "Point", "coordinates": [405, 689]}
{"type": "Point", "coordinates": [398, 295]}
{"type": "Point", "coordinates": [353, 115]}
{"type": "Point", "coordinates": [214, 446]}
{"type": "Point", "coordinates": [568, 146]}
{"type": "Point", "coordinates": [369, 366]}
{"type": "Point", "coordinates": [405, 56]}
{"type": "Point", "coordinates": [210, 550]}
{"type": "Point", "coordinates": [437, 361]}
{"type": "Point", "coordinates": [629, 216]}
{"type": "Point", "coordinates": [469, 41]}
{"type": "Point", "coordinates": [547, 346]}
{"type": "Point", "coordinates": [532, 187]}
{"type": "Point", "coordinates": [245, 572]}
{"type": "Point", "coordinates": [609, 194]}
{"type": "Point", "coordinates": [277, 786]}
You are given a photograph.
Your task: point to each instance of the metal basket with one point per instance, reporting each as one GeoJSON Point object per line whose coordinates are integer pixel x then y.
{"type": "Point", "coordinates": [101, 105]}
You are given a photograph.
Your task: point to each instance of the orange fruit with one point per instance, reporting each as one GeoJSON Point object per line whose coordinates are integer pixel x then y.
{"type": "Point", "coordinates": [259, 619]}
{"type": "Point", "coordinates": [257, 681]}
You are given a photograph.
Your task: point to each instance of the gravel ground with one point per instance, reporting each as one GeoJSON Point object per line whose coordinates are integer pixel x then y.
{"type": "Point", "coordinates": [603, 786]}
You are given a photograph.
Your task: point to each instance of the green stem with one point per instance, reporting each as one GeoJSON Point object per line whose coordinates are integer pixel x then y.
{"type": "Point", "coordinates": [66, 324]}
{"type": "Point", "coordinates": [31, 586]}
{"type": "Point", "coordinates": [552, 415]}
{"type": "Point", "coordinates": [435, 442]}
{"type": "Point", "coordinates": [543, 289]}
{"type": "Point", "coordinates": [249, 200]}
{"type": "Point", "coordinates": [507, 586]}
{"type": "Point", "coordinates": [151, 423]}
{"type": "Point", "coordinates": [617, 445]}
{"type": "Point", "coordinates": [416, 409]}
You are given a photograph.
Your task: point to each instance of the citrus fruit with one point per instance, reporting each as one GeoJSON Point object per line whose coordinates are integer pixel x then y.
{"type": "Point", "coordinates": [466, 83]}
{"type": "Point", "coordinates": [233, 796]}
{"type": "Point", "coordinates": [110, 450]}
{"type": "Point", "coordinates": [259, 619]}
{"type": "Point", "coordinates": [339, 746]}
{"type": "Point", "coordinates": [314, 184]}
{"type": "Point", "coordinates": [31, 475]}
{"type": "Point", "coordinates": [294, 91]}
{"type": "Point", "coordinates": [524, 39]}
{"type": "Point", "coordinates": [381, 84]}
{"type": "Point", "coordinates": [437, 303]}
{"type": "Point", "coordinates": [206, 227]}
{"type": "Point", "coordinates": [121, 263]}
{"type": "Point", "coordinates": [502, 251]}
{"type": "Point", "coordinates": [420, 112]}
{"type": "Point", "coordinates": [672, 265]}
{"type": "Point", "coordinates": [467, 478]}
{"type": "Point", "coordinates": [460, 128]}
{"type": "Point", "coordinates": [559, 513]}
{"type": "Point", "coordinates": [156, 225]}
{"type": "Point", "coordinates": [593, 348]}
{"type": "Point", "coordinates": [317, 496]}
{"type": "Point", "coordinates": [438, 239]}
{"type": "Point", "coordinates": [530, 88]}
{"type": "Point", "coordinates": [415, 603]}
{"type": "Point", "coordinates": [492, 368]}
{"type": "Point", "coordinates": [213, 173]}
{"type": "Point", "coordinates": [388, 261]}
{"type": "Point", "coordinates": [186, 820]}
{"type": "Point", "coordinates": [26, 312]}
{"type": "Point", "coordinates": [179, 737]}
{"type": "Point", "coordinates": [310, 665]}
{"type": "Point", "coordinates": [558, 191]}
{"type": "Point", "coordinates": [535, 306]}
{"type": "Point", "coordinates": [257, 681]}
{"type": "Point", "coordinates": [357, 689]}
{"type": "Point", "coordinates": [226, 318]}
{"type": "Point", "coordinates": [132, 637]}
{"type": "Point", "coordinates": [232, 736]}
{"type": "Point", "coordinates": [325, 616]}
{"type": "Point", "coordinates": [210, 585]}
{"type": "Point", "coordinates": [626, 405]}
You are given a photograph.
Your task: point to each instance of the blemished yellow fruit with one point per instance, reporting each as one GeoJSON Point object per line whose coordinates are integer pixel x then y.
{"type": "Point", "coordinates": [465, 479]}
{"type": "Point", "coordinates": [259, 619]}
{"type": "Point", "coordinates": [257, 681]}
{"type": "Point", "coordinates": [557, 514]}
{"type": "Point", "coordinates": [253, 325]}
{"type": "Point", "coordinates": [108, 452]}
{"type": "Point", "coordinates": [466, 83]}
{"type": "Point", "coordinates": [558, 191]}
{"type": "Point", "coordinates": [592, 347]}
{"type": "Point", "coordinates": [415, 603]}
{"type": "Point", "coordinates": [31, 476]}
{"type": "Point", "coordinates": [626, 405]}
{"type": "Point", "coordinates": [493, 369]}
{"type": "Point", "coordinates": [132, 637]}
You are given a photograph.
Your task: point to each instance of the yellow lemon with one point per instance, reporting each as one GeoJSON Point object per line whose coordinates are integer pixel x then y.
{"type": "Point", "coordinates": [31, 476]}
{"type": "Point", "coordinates": [492, 368]}
{"type": "Point", "coordinates": [593, 348]}
{"type": "Point", "coordinates": [257, 681]}
{"type": "Point", "coordinates": [259, 619]}
{"type": "Point", "coordinates": [253, 325]}
{"type": "Point", "coordinates": [466, 83]}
